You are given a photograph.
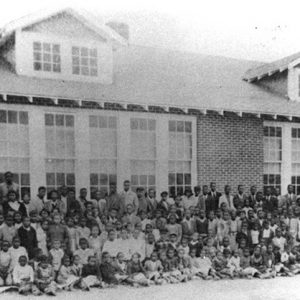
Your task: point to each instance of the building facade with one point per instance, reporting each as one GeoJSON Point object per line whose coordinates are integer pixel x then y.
{"type": "Point", "coordinates": [81, 107]}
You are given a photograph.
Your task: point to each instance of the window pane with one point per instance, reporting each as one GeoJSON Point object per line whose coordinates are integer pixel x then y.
{"type": "Point", "coordinates": [37, 66]}
{"type": "Point", "coordinates": [3, 116]}
{"type": "Point", "coordinates": [50, 179]}
{"type": "Point", "coordinates": [70, 179]}
{"type": "Point", "coordinates": [25, 179]}
{"type": "Point", "coordinates": [112, 122]}
{"type": "Point", "coordinates": [23, 117]}
{"type": "Point", "coordinates": [179, 178]}
{"type": "Point", "coordinates": [75, 51]}
{"type": "Point", "coordinates": [180, 126]}
{"type": "Point", "coordinates": [60, 179]}
{"type": "Point", "coordinates": [113, 179]}
{"type": "Point", "coordinates": [37, 46]}
{"type": "Point", "coordinates": [103, 179]}
{"type": "Point", "coordinates": [12, 117]}
{"type": "Point", "coordinates": [59, 120]}
{"type": "Point", "coordinates": [49, 119]}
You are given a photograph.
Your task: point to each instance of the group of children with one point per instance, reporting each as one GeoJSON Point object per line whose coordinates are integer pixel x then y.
{"type": "Point", "coordinates": [49, 251]}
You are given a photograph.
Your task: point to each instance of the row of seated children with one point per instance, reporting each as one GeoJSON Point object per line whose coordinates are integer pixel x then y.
{"type": "Point", "coordinates": [44, 275]}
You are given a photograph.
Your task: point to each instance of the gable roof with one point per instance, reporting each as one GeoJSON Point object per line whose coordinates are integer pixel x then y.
{"type": "Point", "coordinates": [264, 70]}
{"type": "Point", "coordinates": [160, 77]}
{"type": "Point", "coordinates": [82, 16]}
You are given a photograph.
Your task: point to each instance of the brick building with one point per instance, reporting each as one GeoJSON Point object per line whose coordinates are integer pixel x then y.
{"type": "Point", "coordinates": [80, 106]}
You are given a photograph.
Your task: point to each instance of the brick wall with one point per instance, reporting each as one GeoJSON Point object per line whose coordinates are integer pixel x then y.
{"type": "Point", "coordinates": [230, 150]}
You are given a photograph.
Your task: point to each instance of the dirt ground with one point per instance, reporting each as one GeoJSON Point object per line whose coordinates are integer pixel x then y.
{"type": "Point", "coordinates": [255, 289]}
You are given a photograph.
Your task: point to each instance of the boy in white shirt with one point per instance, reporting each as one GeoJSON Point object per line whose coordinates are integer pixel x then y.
{"type": "Point", "coordinates": [23, 276]}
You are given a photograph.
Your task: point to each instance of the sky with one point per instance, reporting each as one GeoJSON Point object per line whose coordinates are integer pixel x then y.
{"type": "Point", "coordinates": [260, 30]}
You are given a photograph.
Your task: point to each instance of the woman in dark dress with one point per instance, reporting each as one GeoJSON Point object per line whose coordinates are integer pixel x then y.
{"type": "Point", "coordinates": [12, 205]}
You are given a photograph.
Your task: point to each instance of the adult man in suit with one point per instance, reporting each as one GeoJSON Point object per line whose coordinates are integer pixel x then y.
{"type": "Point", "coordinates": [227, 198]}
{"type": "Point", "coordinates": [287, 199]}
{"type": "Point", "coordinates": [269, 201]}
{"type": "Point", "coordinates": [240, 197]}
{"type": "Point", "coordinates": [252, 196]}
{"type": "Point", "coordinates": [212, 201]}
{"type": "Point", "coordinates": [8, 185]}
{"type": "Point", "coordinates": [202, 198]}
{"type": "Point", "coordinates": [54, 202]}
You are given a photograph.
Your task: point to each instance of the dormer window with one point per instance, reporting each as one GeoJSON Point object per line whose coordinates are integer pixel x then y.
{"type": "Point", "coordinates": [46, 57]}
{"type": "Point", "coordinates": [84, 61]}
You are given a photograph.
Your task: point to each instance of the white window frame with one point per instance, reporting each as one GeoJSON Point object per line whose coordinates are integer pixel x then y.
{"type": "Point", "coordinates": [286, 163]}
{"type": "Point", "coordinates": [92, 69]}
{"type": "Point", "coordinates": [103, 157]}
{"type": "Point", "coordinates": [53, 64]}
{"type": "Point", "coordinates": [65, 158]}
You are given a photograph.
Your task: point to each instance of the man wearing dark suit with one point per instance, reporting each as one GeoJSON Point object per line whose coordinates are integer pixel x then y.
{"type": "Point", "coordinates": [269, 201]}
{"type": "Point", "coordinates": [212, 200]}
{"type": "Point", "coordinates": [240, 197]}
{"type": "Point", "coordinates": [252, 196]}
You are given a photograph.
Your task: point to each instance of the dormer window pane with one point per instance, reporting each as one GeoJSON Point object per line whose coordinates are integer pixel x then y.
{"type": "Point", "coordinates": [56, 58]}
{"type": "Point", "coordinates": [56, 48]}
{"type": "Point", "coordinates": [46, 57]}
{"type": "Point", "coordinates": [75, 60]}
{"type": "Point", "coordinates": [37, 66]}
{"type": "Point", "coordinates": [47, 67]}
{"type": "Point", "coordinates": [37, 56]}
{"type": "Point", "coordinates": [46, 47]}
{"type": "Point", "coordinates": [75, 51]}
{"type": "Point", "coordinates": [84, 61]}
{"type": "Point", "coordinates": [84, 52]}
{"type": "Point", "coordinates": [56, 68]}
{"type": "Point", "coordinates": [37, 46]}
{"type": "Point", "coordinates": [85, 71]}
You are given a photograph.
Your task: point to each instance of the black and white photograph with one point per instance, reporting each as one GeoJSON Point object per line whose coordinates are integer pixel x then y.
{"type": "Point", "coordinates": [149, 150]}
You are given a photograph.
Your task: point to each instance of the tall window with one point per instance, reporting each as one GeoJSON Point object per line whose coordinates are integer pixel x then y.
{"type": "Point", "coordinates": [60, 151]}
{"type": "Point", "coordinates": [14, 147]}
{"type": "Point", "coordinates": [103, 152]}
{"type": "Point", "coordinates": [180, 156]}
{"type": "Point", "coordinates": [143, 152]}
{"type": "Point", "coordinates": [84, 61]}
{"type": "Point", "coordinates": [46, 57]}
{"type": "Point", "coordinates": [296, 159]}
{"type": "Point", "coordinates": [272, 156]}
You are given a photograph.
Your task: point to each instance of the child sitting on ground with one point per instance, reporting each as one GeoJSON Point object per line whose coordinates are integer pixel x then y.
{"type": "Point", "coordinates": [76, 267]}
{"type": "Point", "coordinates": [136, 272]}
{"type": "Point", "coordinates": [65, 277]}
{"type": "Point", "coordinates": [91, 276]}
{"type": "Point", "coordinates": [120, 267]}
{"type": "Point", "coordinates": [154, 268]}
{"type": "Point", "coordinates": [23, 276]}
{"type": "Point", "coordinates": [107, 270]}
{"type": "Point", "coordinates": [44, 277]}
